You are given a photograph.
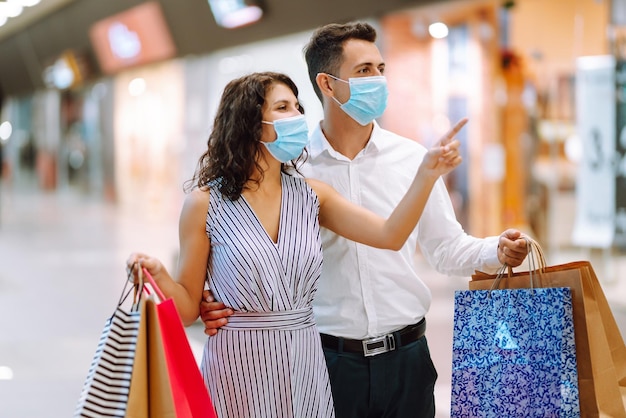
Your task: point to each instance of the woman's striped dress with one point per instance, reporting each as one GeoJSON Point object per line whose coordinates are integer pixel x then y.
{"type": "Point", "coordinates": [268, 361]}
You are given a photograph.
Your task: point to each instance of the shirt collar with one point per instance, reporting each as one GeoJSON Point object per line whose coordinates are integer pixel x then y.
{"type": "Point", "coordinates": [318, 142]}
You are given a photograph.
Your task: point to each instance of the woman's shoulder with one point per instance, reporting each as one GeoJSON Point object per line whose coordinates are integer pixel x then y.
{"type": "Point", "coordinates": [319, 188]}
{"type": "Point", "coordinates": [199, 193]}
{"type": "Point", "coordinates": [197, 199]}
{"type": "Point", "coordinates": [301, 184]}
{"type": "Point", "coordinates": [194, 212]}
{"type": "Point", "coordinates": [296, 180]}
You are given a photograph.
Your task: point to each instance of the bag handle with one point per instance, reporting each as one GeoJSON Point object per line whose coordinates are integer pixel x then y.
{"type": "Point", "coordinates": [140, 287]}
{"type": "Point", "coordinates": [144, 272]}
{"type": "Point", "coordinates": [534, 249]}
{"type": "Point", "coordinates": [536, 262]}
{"type": "Point", "coordinates": [137, 287]}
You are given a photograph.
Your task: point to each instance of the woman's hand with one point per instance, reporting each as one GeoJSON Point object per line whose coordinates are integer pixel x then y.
{"type": "Point", "coordinates": [153, 265]}
{"type": "Point", "coordinates": [185, 290]}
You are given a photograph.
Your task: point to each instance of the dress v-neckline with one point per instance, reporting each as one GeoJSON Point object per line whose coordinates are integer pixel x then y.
{"type": "Point", "coordinates": [280, 215]}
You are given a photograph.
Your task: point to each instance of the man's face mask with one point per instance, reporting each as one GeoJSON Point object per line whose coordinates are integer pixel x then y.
{"type": "Point", "coordinates": [292, 135]}
{"type": "Point", "coordinates": [368, 98]}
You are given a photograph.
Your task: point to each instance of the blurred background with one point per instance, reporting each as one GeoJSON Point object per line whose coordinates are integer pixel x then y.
{"type": "Point", "coordinates": [105, 107]}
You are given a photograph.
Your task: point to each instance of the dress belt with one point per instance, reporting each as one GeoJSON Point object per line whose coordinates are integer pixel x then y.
{"type": "Point", "coordinates": [273, 320]}
{"type": "Point", "coordinates": [376, 345]}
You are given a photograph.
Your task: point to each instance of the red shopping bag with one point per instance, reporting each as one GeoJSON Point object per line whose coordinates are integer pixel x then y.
{"type": "Point", "coordinates": [191, 396]}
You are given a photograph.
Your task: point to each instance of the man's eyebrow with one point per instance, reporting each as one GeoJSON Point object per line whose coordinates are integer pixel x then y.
{"type": "Point", "coordinates": [369, 64]}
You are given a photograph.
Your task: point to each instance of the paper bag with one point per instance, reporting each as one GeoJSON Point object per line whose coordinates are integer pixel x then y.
{"type": "Point", "coordinates": [601, 353]}
{"type": "Point", "coordinates": [190, 394]}
{"type": "Point", "coordinates": [150, 389]}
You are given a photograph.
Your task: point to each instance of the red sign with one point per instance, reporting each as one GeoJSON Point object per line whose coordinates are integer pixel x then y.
{"type": "Point", "coordinates": [137, 36]}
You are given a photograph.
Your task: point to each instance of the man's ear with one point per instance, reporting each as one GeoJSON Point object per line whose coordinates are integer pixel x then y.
{"type": "Point", "coordinates": [323, 83]}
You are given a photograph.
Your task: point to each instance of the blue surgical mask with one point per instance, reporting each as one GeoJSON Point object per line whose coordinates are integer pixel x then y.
{"type": "Point", "coordinates": [368, 98]}
{"type": "Point", "coordinates": [292, 135]}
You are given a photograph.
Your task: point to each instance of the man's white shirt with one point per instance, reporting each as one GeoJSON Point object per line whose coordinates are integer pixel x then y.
{"type": "Point", "coordinates": [364, 291]}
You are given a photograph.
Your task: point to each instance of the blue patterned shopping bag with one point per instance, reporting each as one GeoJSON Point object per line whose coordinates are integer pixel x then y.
{"type": "Point", "coordinates": [514, 354]}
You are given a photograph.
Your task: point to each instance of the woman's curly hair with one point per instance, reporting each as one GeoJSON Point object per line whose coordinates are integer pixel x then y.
{"type": "Point", "coordinates": [234, 143]}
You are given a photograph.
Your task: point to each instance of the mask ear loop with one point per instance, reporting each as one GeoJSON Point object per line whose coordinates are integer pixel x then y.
{"type": "Point", "coordinates": [335, 78]}
{"type": "Point", "coordinates": [338, 79]}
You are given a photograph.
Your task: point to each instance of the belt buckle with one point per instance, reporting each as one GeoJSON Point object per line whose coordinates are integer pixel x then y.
{"type": "Point", "coordinates": [378, 345]}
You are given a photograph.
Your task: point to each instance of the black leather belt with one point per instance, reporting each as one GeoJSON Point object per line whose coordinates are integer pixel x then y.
{"type": "Point", "coordinates": [376, 345]}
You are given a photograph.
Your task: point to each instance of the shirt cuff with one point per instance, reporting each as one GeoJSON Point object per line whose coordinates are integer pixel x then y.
{"type": "Point", "coordinates": [490, 254]}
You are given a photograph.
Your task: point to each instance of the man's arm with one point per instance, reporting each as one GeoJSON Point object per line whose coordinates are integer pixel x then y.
{"type": "Point", "coordinates": [451, 251]}
{"type": "Point", "coordinates": [214, 314]}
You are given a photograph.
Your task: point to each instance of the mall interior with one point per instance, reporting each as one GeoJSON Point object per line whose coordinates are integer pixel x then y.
{"type": "Point", "coordinates": [79, 115]}
{"type": "Point", "coordinates": [106, 106]}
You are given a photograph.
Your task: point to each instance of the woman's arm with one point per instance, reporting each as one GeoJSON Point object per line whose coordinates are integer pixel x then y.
{"type": "Point", "coordinates": [186, 288]}
{"type": "Point", "coordinates": [359, 224]}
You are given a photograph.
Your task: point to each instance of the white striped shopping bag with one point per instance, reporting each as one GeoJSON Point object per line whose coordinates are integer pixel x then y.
{"type": "Point", "coordinates": [106, 388]}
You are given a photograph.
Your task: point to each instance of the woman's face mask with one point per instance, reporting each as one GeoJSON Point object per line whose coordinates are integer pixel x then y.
{"type": "Point", "coordinates": [368, 98]}
{"type": "Point", "coordinates": [292, 135]}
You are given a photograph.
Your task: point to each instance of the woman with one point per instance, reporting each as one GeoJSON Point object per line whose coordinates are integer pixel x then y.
{"type": "Point", "coordinates": [253, 230]}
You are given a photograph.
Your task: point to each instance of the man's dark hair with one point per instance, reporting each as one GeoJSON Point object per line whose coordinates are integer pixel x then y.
{"type": "Point", "coordinates": [324, 52]}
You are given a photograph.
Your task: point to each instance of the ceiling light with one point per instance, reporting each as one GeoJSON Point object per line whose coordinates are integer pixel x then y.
{"type": "Point", "coordinates": [235, 13]}
{"type": "Point", "coordinates": [438, 30]}
{"type": "Point", "coordinates": [6, 373]}
{"type": "Point", "coordinates": [10, 9]}
{"type": "Point", "coordinates": [25, 3]}
{"type": "Point", "coordinates": [137, 87]}
{"type": "Point", "coordinates": [5, 131]}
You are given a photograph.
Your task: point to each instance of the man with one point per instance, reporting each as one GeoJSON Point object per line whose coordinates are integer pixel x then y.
{"type": "Point", "coordinates": [371, 304]}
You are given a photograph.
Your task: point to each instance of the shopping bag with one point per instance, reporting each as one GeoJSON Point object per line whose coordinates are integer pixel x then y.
{"type": "Point", "coordinates": [601, 353]}
{"type": "Point", "coordinates": [514, 354]}
{"type": "Point", "coordinates": [189, 393]}
{"type": "Point", "coordinates": [106, 388]}
{"type": "Point", "coordinates": [150, 394]}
